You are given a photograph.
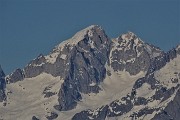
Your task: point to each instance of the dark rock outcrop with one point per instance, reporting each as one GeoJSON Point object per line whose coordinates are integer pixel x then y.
{"type": "Point", "coordinates": [162, 93]}
{"type": "Point", "coordinates": [99, 114]}
{"type": "Point", "coordinates": [171, 111]}
{"type": "Point", "coordinates": [87, 68]}
{"type": "Point", "coordinates": [17, 75]}
{"type": "Point", "coordinates": [129, 53]}
{"type": "Point", "coordinates": [34, 118]}
{"type": "Point", "coordinates": [52, 116]}
{"type": "Point", "coordinates": [2, 85]}
{"type": "Point", "coordinates": [82, 61]}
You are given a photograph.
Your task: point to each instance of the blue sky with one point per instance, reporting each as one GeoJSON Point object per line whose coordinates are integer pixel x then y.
{"type": "Point", "coordinates": [31, 27]}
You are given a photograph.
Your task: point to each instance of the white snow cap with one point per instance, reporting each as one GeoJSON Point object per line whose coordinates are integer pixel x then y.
{"type": "Point", "coordinates": [130, 36]}
{"type": "Point", "coordinates": [79, 36]}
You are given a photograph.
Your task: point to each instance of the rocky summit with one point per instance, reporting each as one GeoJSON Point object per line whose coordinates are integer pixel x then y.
{"type": "Point", "coordinates": [93, 77]}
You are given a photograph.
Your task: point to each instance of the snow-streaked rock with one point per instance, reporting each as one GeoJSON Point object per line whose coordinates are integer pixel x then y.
{"type": "Point", "coordinates": [92, 77]}
{"type": "Point", "coordinates": [130, 53]}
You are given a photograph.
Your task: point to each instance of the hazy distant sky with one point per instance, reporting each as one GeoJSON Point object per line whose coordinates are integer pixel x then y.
{"type": "Point", "coordinates": [31, 27]}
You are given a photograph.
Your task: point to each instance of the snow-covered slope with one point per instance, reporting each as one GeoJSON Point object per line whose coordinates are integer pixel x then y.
{"type": "Point", "coordinates": [169, 75]}
{"type": "Point", "coordinates": [91, 77]}
{"type": "Point", "coordinates": [32, 96]}
{"type": "Point", "coordinates": [146, 98]}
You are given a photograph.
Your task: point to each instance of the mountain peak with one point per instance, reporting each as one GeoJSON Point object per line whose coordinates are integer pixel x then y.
{"type": "Point", "coordinates": [128, 36]}
{"type": "Point", "coordinates": [79, 36]}
{"type": "Point", "coordinates": [92, 27]}
{"type": "Point", "coordinates": [90, 76]}
{"type": "Point", "coordinates": [89, 32]}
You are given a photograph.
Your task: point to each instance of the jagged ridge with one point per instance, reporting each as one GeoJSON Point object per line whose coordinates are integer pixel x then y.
{"type": "Point", "coordinates": [86, 60]}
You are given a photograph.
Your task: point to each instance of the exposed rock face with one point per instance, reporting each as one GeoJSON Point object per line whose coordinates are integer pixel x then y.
{"type": "Point", "coordinates": [87, 68]}
{"type": "Point", "coordinates": [130, 53]}
{"type": "Point", "coordinates": [80, 61]}
{"type": "Point", "coordinates": [34, 118]}
{"type": "Point", "coordinates": [17, 75]}
{"type": "Point", "coordinates": [52, 116]}
{"type": "Point", "coordinates": [86, 60]}
{"type": "Point", "coordinates": [161, 92]}
{"type": "Point", "coordinates": [2, 85]}
{"type": "Point", "coordinates": [35, 67]}
{"type": "Point", "coordinates": [99, 114]}
{"type": "Point", "coordinates": [171, 111]}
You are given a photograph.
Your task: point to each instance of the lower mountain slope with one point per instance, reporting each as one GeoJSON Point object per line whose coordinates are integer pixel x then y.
{"type": "Point", "coordinates": [155, 96]}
